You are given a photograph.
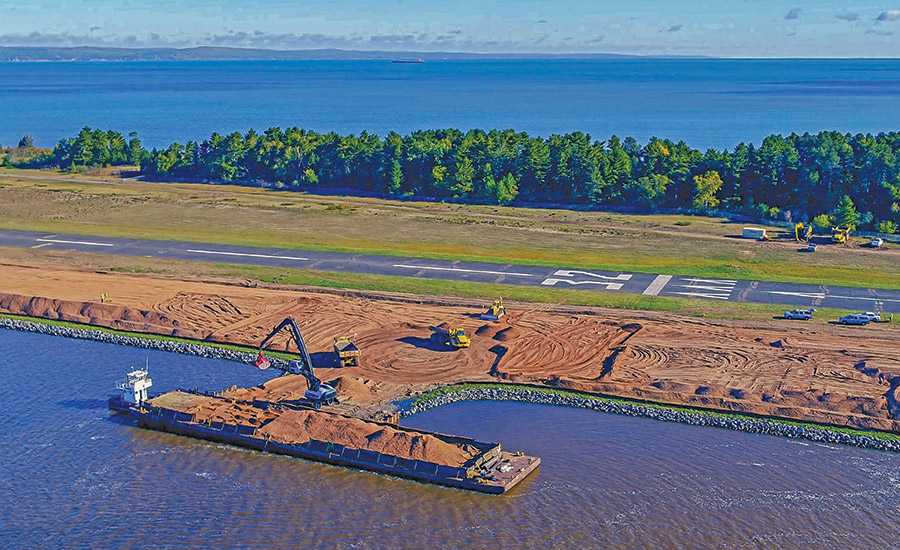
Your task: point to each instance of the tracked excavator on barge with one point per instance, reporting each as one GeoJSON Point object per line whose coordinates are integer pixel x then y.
{"type": "Point", "coordinates": [317, 393]}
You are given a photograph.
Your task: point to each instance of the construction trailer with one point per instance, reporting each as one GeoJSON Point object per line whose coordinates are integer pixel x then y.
{"type": "Point", "coordinates": [758, 233]}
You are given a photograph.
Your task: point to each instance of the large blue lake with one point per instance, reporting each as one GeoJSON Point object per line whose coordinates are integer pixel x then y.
{"type": "Point", "coordinates": [74, 476]}
{"type": "Point", "coordinates": [708, 103]}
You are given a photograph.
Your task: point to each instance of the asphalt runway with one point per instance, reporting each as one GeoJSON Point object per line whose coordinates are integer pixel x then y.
{"type": "Point", "coordinates": [776, 294]}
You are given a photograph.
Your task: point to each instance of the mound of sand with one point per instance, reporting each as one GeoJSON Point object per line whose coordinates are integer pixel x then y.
{"type": "Point", "coordinates": [294, 427]}
{"type": "Point", "coordinates": [507, 334]}
{"type": "Point", "coordinates": [351, 388]}
{"type": "Point", "coordinates": [488, 331]}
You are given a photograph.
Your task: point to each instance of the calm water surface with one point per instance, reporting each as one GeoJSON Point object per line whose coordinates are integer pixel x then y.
{"type": "Point", "coordinates": [708, 103]}
{"type": "Point", "coordinates": [75, 477]}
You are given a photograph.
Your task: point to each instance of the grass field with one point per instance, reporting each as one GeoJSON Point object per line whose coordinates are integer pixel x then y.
{"type": "Point", "coordinates": [679, 245]}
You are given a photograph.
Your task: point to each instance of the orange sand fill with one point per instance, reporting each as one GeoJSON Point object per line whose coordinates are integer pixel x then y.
{"type": "Point", "coordinates": [293, 427]}
{"type": "Point", "coordinates": [844, 376]}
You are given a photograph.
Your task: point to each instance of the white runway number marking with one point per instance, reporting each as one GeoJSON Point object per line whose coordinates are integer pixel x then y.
{"type": "Point", "coordinates": [586, 278]}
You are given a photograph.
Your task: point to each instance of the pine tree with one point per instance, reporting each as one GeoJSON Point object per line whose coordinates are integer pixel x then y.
{"type": "Point", "coordinates": [396, 182]}
{"type": "Point", "coordinates": [845, 213]}
{"type": "Point", "coordinates": [507, 189]}
{"type": "Point", "coordinates": [705, 189]}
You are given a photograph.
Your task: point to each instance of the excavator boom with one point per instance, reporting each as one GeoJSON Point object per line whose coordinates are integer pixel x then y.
{"type": "Point", "coordinates": [306, 367]}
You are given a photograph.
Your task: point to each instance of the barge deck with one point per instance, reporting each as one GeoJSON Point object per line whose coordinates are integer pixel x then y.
{"type": "Point", "coordinates": [455, 461]}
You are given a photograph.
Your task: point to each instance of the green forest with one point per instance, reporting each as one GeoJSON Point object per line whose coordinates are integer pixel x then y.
{"type": "Point", "coordinates": [829, 178]}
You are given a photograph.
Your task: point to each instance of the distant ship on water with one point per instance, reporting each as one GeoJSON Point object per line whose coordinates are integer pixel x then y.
{"type": "Point", "coordinates": [408, 60]}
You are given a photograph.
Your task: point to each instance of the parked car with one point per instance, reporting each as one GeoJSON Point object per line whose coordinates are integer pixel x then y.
{"type": "Point", "coordinates": [854, 319]}
{"type": "Point", "coordinates": [802, 314]}
{"type": "Point", "coordinates": [873, 317]}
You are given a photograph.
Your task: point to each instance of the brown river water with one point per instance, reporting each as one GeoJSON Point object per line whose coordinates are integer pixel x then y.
{"type": "Point", "coordinates": [73, 476]}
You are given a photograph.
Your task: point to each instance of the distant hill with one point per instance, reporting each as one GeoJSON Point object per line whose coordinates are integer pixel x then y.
{"type": "Point", "coordinates": [212, 53]}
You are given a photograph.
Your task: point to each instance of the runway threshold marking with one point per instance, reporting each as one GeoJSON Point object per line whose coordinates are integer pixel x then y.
{"type": "Point", "coordinates": [61, 241]}
{"type": "Point", "coordinates": [223, 253]}
{"type": "Point", "coordinates": [715, 289]}
{"type": "Point", "coordinates": [41, 245]}
{"type": "Point", "coordinates": [703, 295]}
{"type": "Point", "coordinates": [457, 269]}
{"type": "Point", "coordinates": [658, 283]}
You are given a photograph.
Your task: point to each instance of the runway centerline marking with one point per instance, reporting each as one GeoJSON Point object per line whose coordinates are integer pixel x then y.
{"type": "Point", "coordinates": [658, 283]}
{"type": "Point", "coordinates": [61, 241]}
{"type": "Point", "coordinates": [821, 296]}
{"type": "Point", "coordinates": [460, 270]}
{"type": "Point", "coordinates": [223, 253]}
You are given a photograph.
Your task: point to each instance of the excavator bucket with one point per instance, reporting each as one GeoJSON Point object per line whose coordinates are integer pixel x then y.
{"type": "Point", "coordinates": [261, 362]}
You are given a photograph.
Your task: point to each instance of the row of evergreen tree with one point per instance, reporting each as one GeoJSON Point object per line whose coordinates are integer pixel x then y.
{"type": "Point", "coordinates": [828, 176]}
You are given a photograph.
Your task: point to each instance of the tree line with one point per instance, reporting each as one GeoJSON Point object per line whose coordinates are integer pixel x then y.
{"type": "Point", "coordinates": [828, 177]}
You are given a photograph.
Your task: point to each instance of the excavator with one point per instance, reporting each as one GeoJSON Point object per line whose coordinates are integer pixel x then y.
{"type": "Point", "coordinates": [317, 393]}
{"type": "Point", "coordinates": [840, 235]}
{"type": "Point", "coordinates": [803, 232]}
{"type": "Point", "coordinates": [495, 312]}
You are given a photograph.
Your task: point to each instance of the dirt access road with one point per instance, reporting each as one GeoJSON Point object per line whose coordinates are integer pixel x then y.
{"type": "Point", "coordinates": [840, 375]}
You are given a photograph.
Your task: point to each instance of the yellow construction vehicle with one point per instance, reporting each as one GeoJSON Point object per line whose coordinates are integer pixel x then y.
{"type": "Point", "coordinates": [840, 235]}
{"type": "Point", "coordinates": [346, 352]}
{"type": "Point", "coordinates": [455, 337]}
{"type": "Point", "coordinates": [803, 232]}
{"type": "Point", "coordinates": [495, 312]}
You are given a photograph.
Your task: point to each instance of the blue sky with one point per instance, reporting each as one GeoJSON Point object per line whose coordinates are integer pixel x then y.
{"type": "Point", "coordinates": [728, 28]}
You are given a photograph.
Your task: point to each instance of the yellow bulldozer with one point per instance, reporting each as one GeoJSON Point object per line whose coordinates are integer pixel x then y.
{"type": "Point", "coordinates": [454, 337]}
{"type": "Point", "coordinates": [495, 312]}
{"type": "Point", "coordinates": [803, 232]}
{"type": "Point", "coordinates": [840, 235]}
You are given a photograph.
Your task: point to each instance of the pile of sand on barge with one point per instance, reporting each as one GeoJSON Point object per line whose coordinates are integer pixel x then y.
{"type": "Point", "coordinates": [299, 426]}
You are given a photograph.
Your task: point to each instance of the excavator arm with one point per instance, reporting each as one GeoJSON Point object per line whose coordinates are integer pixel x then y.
{"type": "Point", "coordinates": [306, 368]}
